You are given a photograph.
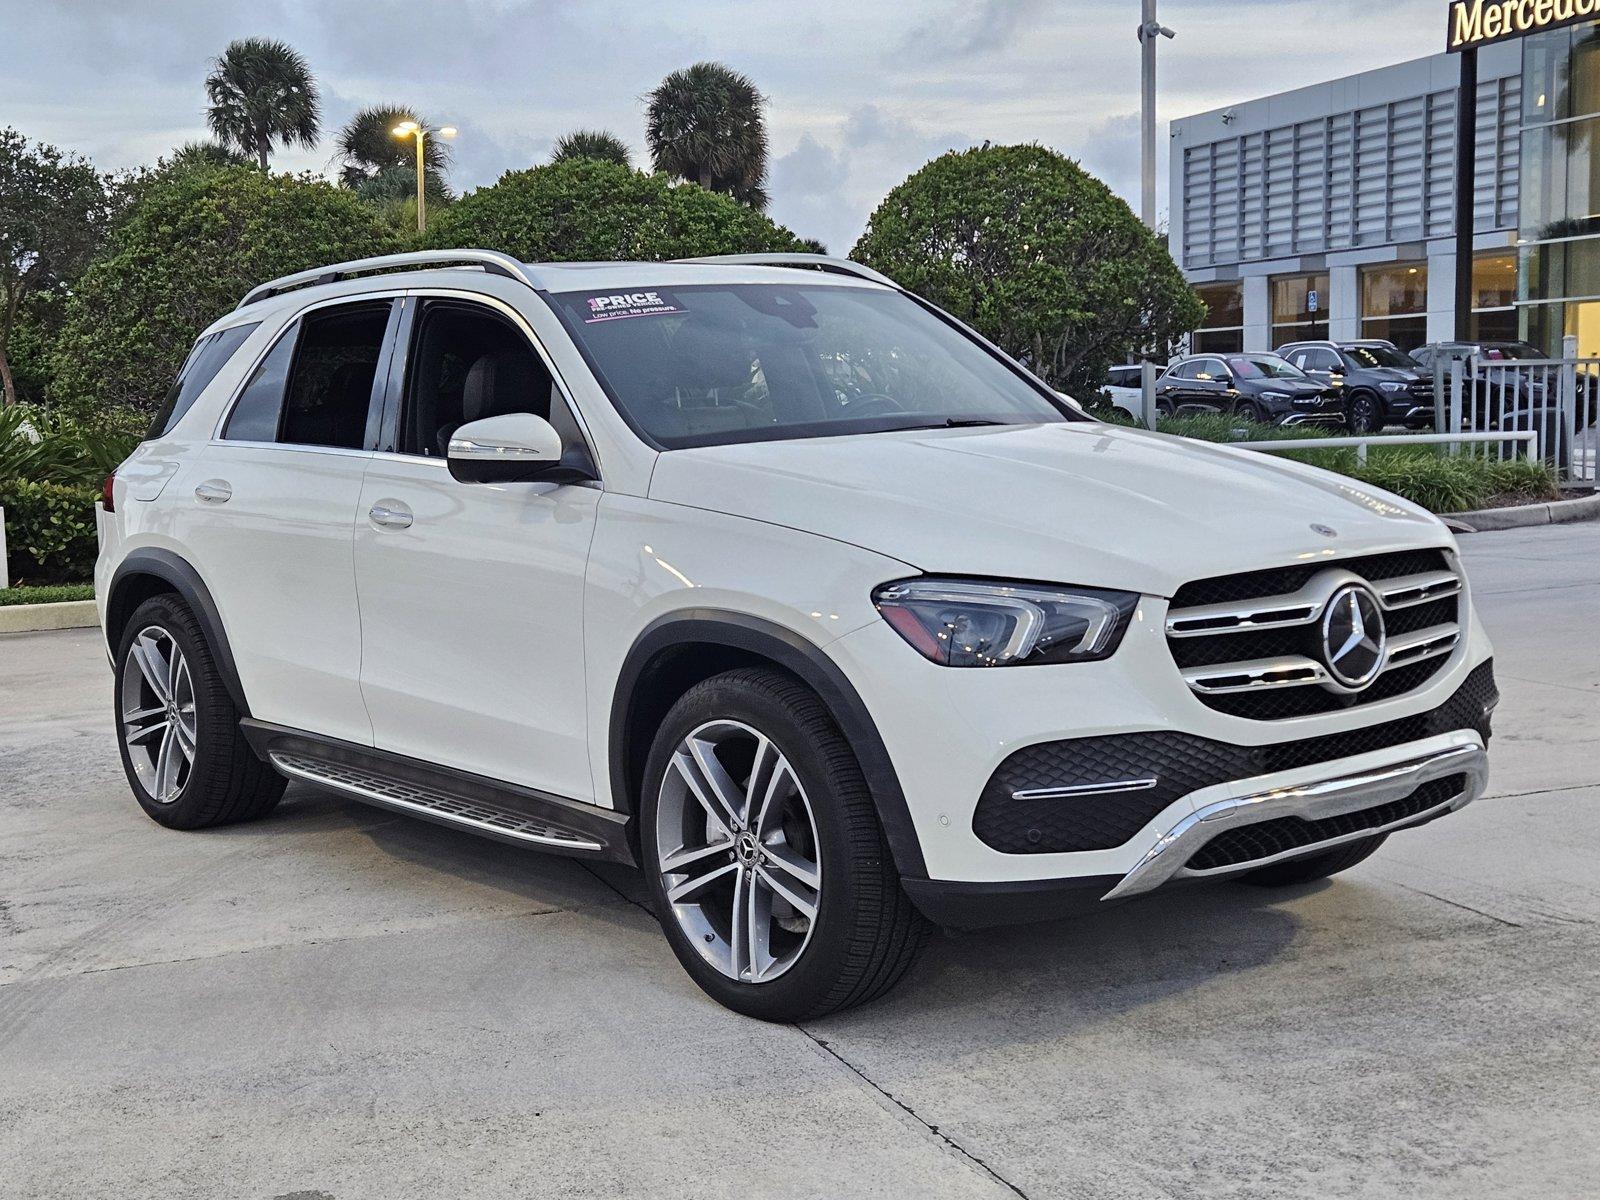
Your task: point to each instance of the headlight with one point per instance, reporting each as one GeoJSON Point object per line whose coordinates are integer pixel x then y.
{"type": "Point", "coordinates": [961, 623]}
{"type": "Point", "coordinates": [1274, 395]}
{"type": "Point", "coordinates": [1394, 387]}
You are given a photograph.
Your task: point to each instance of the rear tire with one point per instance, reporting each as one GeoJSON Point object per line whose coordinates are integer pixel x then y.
{"type": "Point", "coordinates": [178, 729]}
{"type": "Point", "coordinates": [1317, 866]}
{"type": "Point", "coordinates": [749, 781]}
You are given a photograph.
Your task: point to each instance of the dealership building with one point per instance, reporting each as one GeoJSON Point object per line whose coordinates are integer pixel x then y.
{"type": "Point", "coordinates": [1329, 211]}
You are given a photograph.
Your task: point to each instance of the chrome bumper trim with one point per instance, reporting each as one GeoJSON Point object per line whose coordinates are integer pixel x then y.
{"type": "Point", "coordinates": [1088, 789]}
{"type": "Point", "coordinates": [1310, 801]}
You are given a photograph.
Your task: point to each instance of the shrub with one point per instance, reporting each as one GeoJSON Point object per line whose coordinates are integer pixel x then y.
{"type": "Point", "coordinates": [1036, 254]}
{"type": "Point", "coordinates": [46, 595]}
{"type": "Point", "coordinates": [587, 210]}
{"type": "Point", "coordinates": [50, 533]}
{"type": "Point", "coordinates": [190, 246]}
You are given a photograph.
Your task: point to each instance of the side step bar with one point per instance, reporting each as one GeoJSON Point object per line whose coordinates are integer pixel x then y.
{"type": "Point", "coordinates": [506, 812]}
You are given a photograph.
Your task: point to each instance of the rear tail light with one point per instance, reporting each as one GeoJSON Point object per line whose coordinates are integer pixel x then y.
{"type": "Point", "coordinates": [105, 493]}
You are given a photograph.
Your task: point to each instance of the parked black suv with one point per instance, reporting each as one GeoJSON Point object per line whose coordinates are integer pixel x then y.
{"type": "Point", "coordinates": [1507, 398]}
{"type": "Point", "coordinates": [1263, 387]}
{"type": "Point", "coordinates": [1382, 386]}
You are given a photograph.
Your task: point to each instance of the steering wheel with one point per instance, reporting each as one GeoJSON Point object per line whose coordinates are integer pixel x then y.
{"type": "Point", "coordinates": [875, 404]}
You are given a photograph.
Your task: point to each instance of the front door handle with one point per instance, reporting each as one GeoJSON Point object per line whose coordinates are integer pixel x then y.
{"type": "Point", "coordinates": [390, 517]}
{"type": "Point", "coordinates": [214, 491]}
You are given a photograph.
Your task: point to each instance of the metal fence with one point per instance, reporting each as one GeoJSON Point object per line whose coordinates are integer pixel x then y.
{"type": "Point", "coordinates": [1557, 400]}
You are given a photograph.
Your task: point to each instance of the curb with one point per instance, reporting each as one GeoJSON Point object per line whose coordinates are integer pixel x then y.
{"type": "Point", "coordinates": [1525, 516]}
{"type": "Point", "coordinates": [32, 618]}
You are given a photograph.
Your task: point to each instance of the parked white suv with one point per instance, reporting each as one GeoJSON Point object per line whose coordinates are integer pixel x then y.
{"type": "Point", "coordinates": [778, 582]}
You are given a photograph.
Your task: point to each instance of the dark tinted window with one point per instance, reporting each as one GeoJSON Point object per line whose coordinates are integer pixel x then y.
{"type": "Point", "coordinates": [255, 413]}
{"type": "Point", "coordinates": [468, 363]}
{"type": "Point", "coordinates": [1379, 356]}
{"type": "Point", "coordinates": [330, 387]}
{"type": "Point", "coordinates": [208, 357]}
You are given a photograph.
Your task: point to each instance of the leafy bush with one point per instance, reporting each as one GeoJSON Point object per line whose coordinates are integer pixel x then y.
{"type": "Point", "coordinates": [50, 533]}
{"type": "Point", "coordinates": [48, 447]}
{"type": "Point", "coordinates": [1036, 254]}
{"type": "Point", "coordinates": [46, 595]}
{"type": "Point", "coordinates": [191, 245]}
{"type": "Point", "coordinates": [587, 210]}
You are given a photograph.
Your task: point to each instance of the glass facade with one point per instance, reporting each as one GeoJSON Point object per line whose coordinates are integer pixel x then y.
{"type": "Point", "coordinates": [1494, 296]}
{"type": "Point", "coordinates": [1558, 276]}
{"type": "Point", "coordinates": [1223, 329]}
{"type": "Point", "coordinates": [1299, 308]}
{"type": "Point", "coordinates": [1394, 303]}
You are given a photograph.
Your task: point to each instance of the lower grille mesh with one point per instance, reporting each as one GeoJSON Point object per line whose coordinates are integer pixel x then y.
{"type": "Point", "coordinates": [1251, 843]}
{"type": "Point", "coordinates": [1182, 763]}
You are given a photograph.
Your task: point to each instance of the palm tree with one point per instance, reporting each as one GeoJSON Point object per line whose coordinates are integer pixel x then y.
{"type": "Point", "coordinates": [368, 147]}
{"type": "Point", "coordinates": [592, 143]}
{"type": "Point", "coordinates": [262, 91]}
{"type": "Point", "coordinates": [197, 155]}
{"type": "Point", "coordinates": [704, 123]}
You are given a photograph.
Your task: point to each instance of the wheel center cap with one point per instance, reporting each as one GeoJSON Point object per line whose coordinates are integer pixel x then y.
{"type": "Point", "coordinates": [747, 848]}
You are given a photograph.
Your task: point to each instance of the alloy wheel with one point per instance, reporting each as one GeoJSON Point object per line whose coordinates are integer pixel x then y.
{"type": "Point", "coordinates": [737, 850]}
{"type": "Point", "coordinates": [159, 725]}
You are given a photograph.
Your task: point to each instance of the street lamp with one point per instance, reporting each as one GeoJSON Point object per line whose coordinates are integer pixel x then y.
{"type": "Point", "coordinates": [417, 130]}
{"type": "Point", "coordinates": [1149, 30]}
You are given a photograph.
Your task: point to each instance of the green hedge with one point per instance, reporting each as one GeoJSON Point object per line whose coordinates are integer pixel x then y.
{"type": "Point", "coordinates": [50, 534]}
{"type": "Point", "coordinates": [46, 595]}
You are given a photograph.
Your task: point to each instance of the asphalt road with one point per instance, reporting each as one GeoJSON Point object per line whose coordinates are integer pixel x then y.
{"type": "Point", "coordinates": [340, 1003]}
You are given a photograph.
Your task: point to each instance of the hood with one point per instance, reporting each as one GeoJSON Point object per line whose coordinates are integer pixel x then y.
{"type": "Point", "coordinates": [1397, 374]}
{"type": "Point", "coordinates": [1289, 387]}
{"type": "Point", "coordinates": [1081, 502]}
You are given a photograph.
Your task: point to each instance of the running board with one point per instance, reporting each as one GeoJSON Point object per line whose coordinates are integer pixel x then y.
{"type": "Point", "coordinates": [502, 811]}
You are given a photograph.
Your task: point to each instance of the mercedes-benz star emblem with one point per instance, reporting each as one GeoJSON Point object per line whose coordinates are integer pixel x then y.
{"type": "Point", "coordinates": [1353, 636]}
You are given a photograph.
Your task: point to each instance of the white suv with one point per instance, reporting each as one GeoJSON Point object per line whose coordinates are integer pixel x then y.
{"type": "Point", "coordinates": [774, 580]}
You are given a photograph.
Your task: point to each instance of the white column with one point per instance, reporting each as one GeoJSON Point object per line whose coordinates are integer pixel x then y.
{"type": "Point", "coordinates": [1257, 313]}
{"type": "Point", "coordinates": [1441, 294]}
{"type": "Point", "coordinates": [1344, 303]}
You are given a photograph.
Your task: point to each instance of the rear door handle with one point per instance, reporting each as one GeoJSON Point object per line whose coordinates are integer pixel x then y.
{"type": "Point", "coordinates": [214, 491]}
{"type": "Point", "coordinates": [389, 517]}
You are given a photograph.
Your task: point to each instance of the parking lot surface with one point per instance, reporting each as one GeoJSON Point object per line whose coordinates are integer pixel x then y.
{"type": "Point", "coordinates": [337, 1002]}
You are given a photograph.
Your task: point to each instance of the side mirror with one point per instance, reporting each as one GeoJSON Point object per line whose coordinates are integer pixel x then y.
{"type": "Point", "coordinates": [514, 448]}
{"type": "Point", "coordinates": [1071, 403]}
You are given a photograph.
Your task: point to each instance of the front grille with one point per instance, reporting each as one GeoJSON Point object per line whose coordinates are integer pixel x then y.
{"type": "Point", "coordinates": [1249, 645]}
{"type": "Point", "coordinates": [1180, 763]}
{"type": "Point", "coordinates": [1264, 839]}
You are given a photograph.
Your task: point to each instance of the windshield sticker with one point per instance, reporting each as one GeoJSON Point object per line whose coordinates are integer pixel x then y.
{"type": "Point", "coordinates": [614, 306]}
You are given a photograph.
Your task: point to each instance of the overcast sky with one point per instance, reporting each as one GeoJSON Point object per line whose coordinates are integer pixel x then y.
{"type": "Point", "coordinates": [861, 93]}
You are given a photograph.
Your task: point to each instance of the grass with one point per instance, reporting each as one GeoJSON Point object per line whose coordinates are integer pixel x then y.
{"type": "Point", "coordinates": [1431, 476]}
{"type": "Point", "coordinates": [46, 595]}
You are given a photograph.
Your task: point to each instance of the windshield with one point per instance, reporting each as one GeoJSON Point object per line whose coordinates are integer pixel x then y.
{"type": "Point", "coordinates": [710, 365]}
{"type": "Point", "coordinates": [1500, 351]}
{"type": "Point", "coordinates": [1380, 356]}
{"type": "Point", "coordinates": [1264, 366]}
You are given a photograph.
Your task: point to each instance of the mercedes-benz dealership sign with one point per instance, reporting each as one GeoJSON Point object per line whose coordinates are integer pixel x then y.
{"type": "Point", "coordinates": [1475, 23]}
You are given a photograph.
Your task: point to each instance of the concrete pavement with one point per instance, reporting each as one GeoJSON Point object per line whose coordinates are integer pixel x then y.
{"type": "Point", "coordinates": [340, 1003]}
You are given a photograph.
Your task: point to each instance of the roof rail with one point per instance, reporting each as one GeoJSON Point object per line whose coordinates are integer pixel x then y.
{"type": "Point", "coordinates": [491, 261]}
{"type": "Point", "coordinates": [814, 262]}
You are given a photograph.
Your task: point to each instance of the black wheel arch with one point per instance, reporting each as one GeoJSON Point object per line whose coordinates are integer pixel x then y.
{"type": "Point", "coordinates": [151, 571]}
{"type": "Point", "coordinates": [697, 643]}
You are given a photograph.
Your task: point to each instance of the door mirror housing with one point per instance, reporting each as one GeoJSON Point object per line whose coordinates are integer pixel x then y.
{"type": "Point", "coordinates": [515, 448]}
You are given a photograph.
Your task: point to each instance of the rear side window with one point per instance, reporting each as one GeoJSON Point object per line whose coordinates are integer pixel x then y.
{"type": "Point", "coordinates": [315, 388]}
{"type": "Point", "coordinates": [210, 354]}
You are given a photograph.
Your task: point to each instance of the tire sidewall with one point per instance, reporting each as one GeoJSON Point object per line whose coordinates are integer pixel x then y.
{"type": "Point", "coordinates": [798, 988]}
{"type": "Point", "coordinates": [1364, 414]}
{"type": "Point", "coordinates": [173, 619]}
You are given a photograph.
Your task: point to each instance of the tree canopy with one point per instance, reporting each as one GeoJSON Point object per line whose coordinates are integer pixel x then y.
{"type": "Point", "coordinates": [1037, 255]}
{"type": "Point", "coordinates": [368, 146]}
{"type": "Point", "coordinates": [262, 92]}
{"type": "Point", "coordinates": [705, 124]}
{"type": "Point", "coordinates": [189, 247]}
{"type": "Point", "coordinates": [588, 210]}
{"type": "Point", "coordinates": [53, 214]}
{"type": "Point", "coordinates": [592, 143]}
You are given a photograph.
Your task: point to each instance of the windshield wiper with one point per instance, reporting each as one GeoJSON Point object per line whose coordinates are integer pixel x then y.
{"type": "Point", "coordinates": [951, 423]}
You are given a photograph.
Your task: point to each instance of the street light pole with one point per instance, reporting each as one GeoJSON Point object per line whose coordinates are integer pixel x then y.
{"type": "Point", "coordinates": [1149, 30]}
{"type": "Point", "coordinates": [422, 194]}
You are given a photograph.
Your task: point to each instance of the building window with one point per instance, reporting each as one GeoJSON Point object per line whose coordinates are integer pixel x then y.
{"type": "Point", "coordinates": [1222, 329]}
{"type": "Point", "coordinates": [1494, 296]}
{"type": "Point", "coordinates": [1394, 303]}
{"type": "Point", "coordinates": [1299, 309]}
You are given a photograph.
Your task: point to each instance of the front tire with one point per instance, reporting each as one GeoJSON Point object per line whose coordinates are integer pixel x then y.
{"type": "Point", "coordinates": [766, 864]}
{"type": "Point", "coordinates": [1317, 866]}
{"type": "Point", "coordinates": [178, 730]}
{"type": "Point", "coordinates": [1366, 413]}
